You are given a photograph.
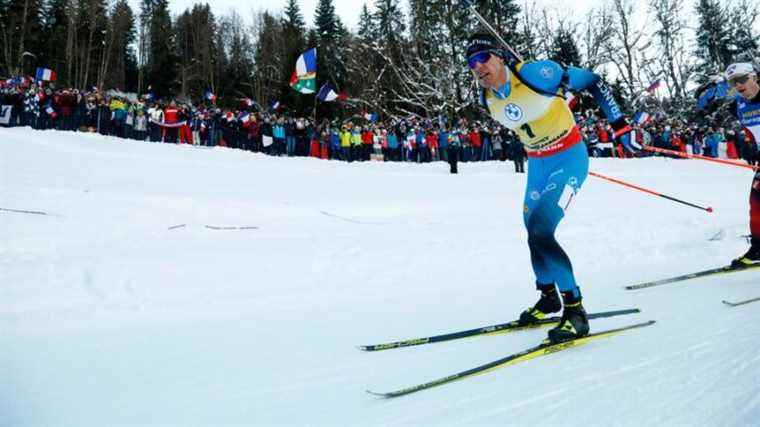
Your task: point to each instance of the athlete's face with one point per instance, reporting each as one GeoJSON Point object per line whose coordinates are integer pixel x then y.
{"type": "Point", "coordinates": [491, 73]}
{"type": "Point", "coordinates": [747, 86]}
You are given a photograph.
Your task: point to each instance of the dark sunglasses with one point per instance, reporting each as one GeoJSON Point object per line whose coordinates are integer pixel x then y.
{"type": "Point", "coordinates": [738, 80]}
{"type": "Point", "coordinates": [480, 57]}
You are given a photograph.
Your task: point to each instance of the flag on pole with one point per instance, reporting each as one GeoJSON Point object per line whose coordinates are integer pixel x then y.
{"type": "Point", "coordinates": [304, 78]}
{"type": "Point", "coordinates": [275, 105]}
{"type": "Point", "coordinates": [652, 87]}
{"type": "Point", "coordinates": [210, 96]}
{"type": "Point", "coordinates": [149, 96]}
{"type": "Point", "coordinates": [17, 81]}
{"type": "Point", "coordinates": [641, 118]}
{"type": "Point", "coordinates": [370, 116]}
{"type": "Point", "coordinates": [327, 94]}
{"type": "Point", "coordinates": [46, 75]}
{"type": "Point", "coordinates": [51, 111]}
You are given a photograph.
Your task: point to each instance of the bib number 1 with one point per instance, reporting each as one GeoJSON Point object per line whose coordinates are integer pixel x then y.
{"type": "Point", "coordinates": [528, 130]}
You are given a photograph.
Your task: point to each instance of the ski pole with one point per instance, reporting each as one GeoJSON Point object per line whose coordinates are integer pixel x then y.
{"type": "Point", "coordinates": [468, 4]}
{"type": "Point", "coordinates": [697, 156]}
{"type": "Point", "coordinates": [654, 193]}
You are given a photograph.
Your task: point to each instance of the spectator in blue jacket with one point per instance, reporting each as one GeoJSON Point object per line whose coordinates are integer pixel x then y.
{"type": "Point", "coordinates": [334, 143]}
{"type": "Point", "coordinates": [393, 147]}
{"type": "Point", "coordinates": [443, 139]}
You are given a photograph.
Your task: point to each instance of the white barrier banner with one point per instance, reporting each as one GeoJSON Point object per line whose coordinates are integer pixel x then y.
{"type": "Point", "coordinates": [170, 125]}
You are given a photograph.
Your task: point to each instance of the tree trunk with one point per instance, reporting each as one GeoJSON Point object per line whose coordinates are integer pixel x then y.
{"type": "Point", "coordinates": [88, 52]}
{"type": "Point", "coordinates": [19, 68]}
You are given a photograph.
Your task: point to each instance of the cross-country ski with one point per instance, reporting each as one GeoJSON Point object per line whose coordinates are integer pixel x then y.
{"type": "Point", "coordinates": [689, 276]}
{"type": "Point", "coordinates": [501, 328]}
{"type": "Point", "coordinates": [543, 349]}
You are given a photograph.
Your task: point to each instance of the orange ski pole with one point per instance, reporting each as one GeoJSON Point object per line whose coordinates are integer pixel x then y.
{"type": "Point", "coordinates": [697, 156]}
{"type": "Point", "coordinates": [652, 192]}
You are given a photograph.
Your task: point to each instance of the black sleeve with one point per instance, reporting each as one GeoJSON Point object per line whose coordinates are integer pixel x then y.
{"type": "Point", "coordinates": [733, 109]}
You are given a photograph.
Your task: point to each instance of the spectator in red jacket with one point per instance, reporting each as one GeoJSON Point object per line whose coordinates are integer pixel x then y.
{"type": "Point", "coordinates": [368, 138]}
{"type": "Point", "coordinates": [677, 142]}
{"type": "Point", "coordinates": [477, 144]}
{"type": "Point", "coordinates": [171, 116]}
{"type": "Point", "coordinates": [66, 102]}
{"type": "Point", "coordinates": [431, 141]}
{"type": "Point", "coordinates": [601, 132]}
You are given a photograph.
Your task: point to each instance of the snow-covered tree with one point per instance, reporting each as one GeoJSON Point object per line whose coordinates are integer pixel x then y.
{"type": "Point", "coordinates": [713, 39]}
{"type": "Point", "coordinates": [674, 64]}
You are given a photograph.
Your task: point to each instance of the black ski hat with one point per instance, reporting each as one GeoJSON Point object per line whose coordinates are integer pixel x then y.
{"type": "Point", "coordinates": [482, 41]}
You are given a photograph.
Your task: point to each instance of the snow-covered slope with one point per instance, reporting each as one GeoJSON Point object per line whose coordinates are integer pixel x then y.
{"type": "Point", "coordinates": [122, 307]}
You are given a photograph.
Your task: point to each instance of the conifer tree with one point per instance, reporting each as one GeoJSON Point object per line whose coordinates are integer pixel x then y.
{"type": "Point", "coordinates": [268, 61]}
{"type": "Point", "coordinates": [364, 63]}
{"type": "Point", "coordinates": [743, 43]}
{"type": "Point", "coordinates": [564, 49]}
{"type": "Point", "coordinates": [294, 44]}
{"type": "Point", "coordinates": [503, 15]}
{"type": "Point", "coordinates": [197, 50]}
{"type": "Point", "coordinates": [143, 43]}
{"type": "Point", "coordinates": [674, 63]}
{"type": "Point", "coordinates": [118, 64]}
{"type": "Point", "coordinates": [20, 33]}
{"type": "Point", "coordinates": [54, 31]}
{"type": "Point", "coordinates": [87, 51]}
{"type": "Point", "coordinates": [713, 39]}
{"type": "Point", "coordinates": [240, 68]}
{"type": "Point", "coordinates": [330, 32]}
{"type": "Point", "coordinates": [162, 69]}
{"type": "Point", "coordinates": [388, 22]}
{"type": "Point", "coordinates": [437, 79]}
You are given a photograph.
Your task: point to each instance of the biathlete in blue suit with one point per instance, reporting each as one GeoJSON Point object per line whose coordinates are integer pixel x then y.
{"type": "Point", "coordinates": [528, 98]}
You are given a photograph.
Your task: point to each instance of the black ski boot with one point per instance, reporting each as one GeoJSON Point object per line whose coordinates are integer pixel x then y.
{"type": "Point", "coordinates": [548, 303]}
{"type": "Point", "coordinates": [752, 257]}
{"type": "Point", "coordinates": [574, 323]}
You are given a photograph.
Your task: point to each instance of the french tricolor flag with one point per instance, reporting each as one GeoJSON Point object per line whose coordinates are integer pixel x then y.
{"type": "Point", "coordinates": [51, 111]}
{"type": "Point", "coordinates": [641, 118]}
{"type": "Point", "coordinates": [46, 75]}
{"type": "Point", "coordinates": [328, 94]}
{"type": "Point", "coordinates": [652, 87]}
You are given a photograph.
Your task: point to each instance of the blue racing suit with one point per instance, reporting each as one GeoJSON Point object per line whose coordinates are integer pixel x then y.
{"type": "Point", "coordinates": [532, 104]}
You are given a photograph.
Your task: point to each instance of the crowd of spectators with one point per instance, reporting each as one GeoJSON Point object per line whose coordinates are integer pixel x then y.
{"type": "Point", "coordinates": [410, 139]}
{"type": "Point", "coordinates": [671, 134]}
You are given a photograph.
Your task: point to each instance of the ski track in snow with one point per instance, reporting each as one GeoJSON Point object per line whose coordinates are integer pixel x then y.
{"type": "Point", "coordinates": [113, 314]}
